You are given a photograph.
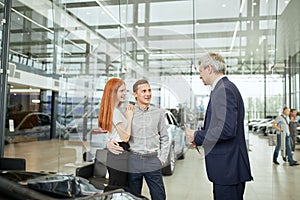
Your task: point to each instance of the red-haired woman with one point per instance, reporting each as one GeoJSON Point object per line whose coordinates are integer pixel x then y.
{"type": "Point", "coordinates": [111, 118]}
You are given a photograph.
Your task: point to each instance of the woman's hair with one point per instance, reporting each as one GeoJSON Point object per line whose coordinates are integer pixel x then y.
{"type": "Point", "coordinates": [108, 103]}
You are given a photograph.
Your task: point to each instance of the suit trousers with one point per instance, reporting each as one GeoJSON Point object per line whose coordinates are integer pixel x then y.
{"type": "Point", "coordinates": [229, 192]}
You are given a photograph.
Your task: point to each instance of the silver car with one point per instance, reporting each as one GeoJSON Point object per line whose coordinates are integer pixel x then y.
{"type": "Point", "coordinates": [178, 143]}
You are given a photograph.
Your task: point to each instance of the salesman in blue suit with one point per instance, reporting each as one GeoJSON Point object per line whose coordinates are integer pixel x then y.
{"type": "Point", "coordinates": [223, 136]}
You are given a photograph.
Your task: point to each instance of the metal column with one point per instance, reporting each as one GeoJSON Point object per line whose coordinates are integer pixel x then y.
{"type": "Point", "coordinates": [4, 73]}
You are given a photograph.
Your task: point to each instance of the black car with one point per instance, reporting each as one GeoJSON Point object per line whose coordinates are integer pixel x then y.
{"type": "Point", "coordinates": [31, 126]}
{"type": "Point", "coordinates": [19, 185]}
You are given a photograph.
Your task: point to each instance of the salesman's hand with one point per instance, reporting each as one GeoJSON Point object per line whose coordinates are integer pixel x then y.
{"type": "Point", "coordinates": [114, 147]}
{"type": "Point", "coordinates": [190, 134]}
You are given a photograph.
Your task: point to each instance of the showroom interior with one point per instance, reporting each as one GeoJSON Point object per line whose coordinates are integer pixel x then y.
{"type": "Point", "coordinates": [57, 55]}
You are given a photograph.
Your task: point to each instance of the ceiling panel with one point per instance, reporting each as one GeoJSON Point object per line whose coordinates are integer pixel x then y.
{"type": "Point", "coordinates": [144, 35]}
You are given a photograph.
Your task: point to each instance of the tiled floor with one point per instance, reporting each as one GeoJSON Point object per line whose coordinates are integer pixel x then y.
{"type": "Point", "coordinates": [271, 182]}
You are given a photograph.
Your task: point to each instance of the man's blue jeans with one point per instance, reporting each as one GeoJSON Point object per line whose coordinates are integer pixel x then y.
{"type": "Point", "coordinates": [150, 169]}
{"type": "Point", "coordinates": [288, 148]}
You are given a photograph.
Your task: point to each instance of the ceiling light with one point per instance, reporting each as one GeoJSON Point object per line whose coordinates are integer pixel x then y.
{"type": "Point", "coordinates": [242, 6]}
{"type": "Point", "coordinates": [35, 101]}
{"type": "Point", "coordinates": [223, 5]}
{"type": "Point", "coordinates": [162, 55]}
{"type": "Point", "coordinates": [234, 35]}
{"type": "Point", "coordinates": [30, 90]}
{"type": "Point", "coordinates": [254, 3]}
{"type": "Point", "coordinates": [225, 52]}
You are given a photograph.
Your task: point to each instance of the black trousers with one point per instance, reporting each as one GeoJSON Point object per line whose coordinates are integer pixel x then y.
{"type": "Point", "coordinates": [229, 192]}
{"type": "Point", "coordinates": [117, 166]}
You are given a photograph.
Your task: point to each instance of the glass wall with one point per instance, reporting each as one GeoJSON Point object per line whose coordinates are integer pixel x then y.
{"type": "Point", "coordinates": [62, 52]}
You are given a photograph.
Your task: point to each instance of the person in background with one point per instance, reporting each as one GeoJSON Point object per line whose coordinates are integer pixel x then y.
{"type": "Point", "coordinates": [281, 124]}
{"type": "Point", "coordinates": [149, 144]}
{"type": "Point", "coordinates": [223, 135]}
{"type": "Point", "coordinates": [293, 128]}
{"type": "Point", "coordinates": [118, 125]}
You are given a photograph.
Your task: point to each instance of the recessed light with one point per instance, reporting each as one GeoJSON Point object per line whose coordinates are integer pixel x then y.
{"type": "Point", "coordinates": [223, 5]}
{"type": "Point", "coordinates": [36, 101]}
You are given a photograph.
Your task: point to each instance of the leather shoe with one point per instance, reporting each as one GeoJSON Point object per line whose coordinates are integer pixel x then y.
{"type": "Point", "coordinates": [284, 159]}
{"type": "Point", "coordinates": [294, 163]}
{"type": "Point", "coordinates": [276, 162]}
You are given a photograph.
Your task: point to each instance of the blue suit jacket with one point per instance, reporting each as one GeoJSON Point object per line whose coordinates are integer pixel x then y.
{"type": "Point", "coordinates": [223, 137]}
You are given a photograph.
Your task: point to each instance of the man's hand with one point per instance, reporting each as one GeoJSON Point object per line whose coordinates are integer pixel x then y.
{"type": "Point", "coordinates": [190, 134]}
{"type": "Point", "coordinates": [162, 163]}
{"type": "Point", "coordinates": [114, 147]}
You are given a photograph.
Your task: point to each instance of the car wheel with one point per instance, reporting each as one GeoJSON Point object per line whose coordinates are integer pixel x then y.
{"type": "Point", "coordinates": [169, 169]}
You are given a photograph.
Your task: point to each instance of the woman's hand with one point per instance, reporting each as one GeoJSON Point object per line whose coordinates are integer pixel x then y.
{"type": "Point", "coordinates": [129, 111]}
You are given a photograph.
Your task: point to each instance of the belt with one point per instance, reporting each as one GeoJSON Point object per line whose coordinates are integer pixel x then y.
{"type": "Point", "coordinates": [145, 155]}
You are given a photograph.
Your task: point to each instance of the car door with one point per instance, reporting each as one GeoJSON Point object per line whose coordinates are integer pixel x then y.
{"type": "Point", "coordinates": [176, 133]}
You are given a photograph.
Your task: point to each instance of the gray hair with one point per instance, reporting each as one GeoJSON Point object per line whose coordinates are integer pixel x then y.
{"type": "Point", "coordinates": [215, 60]}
